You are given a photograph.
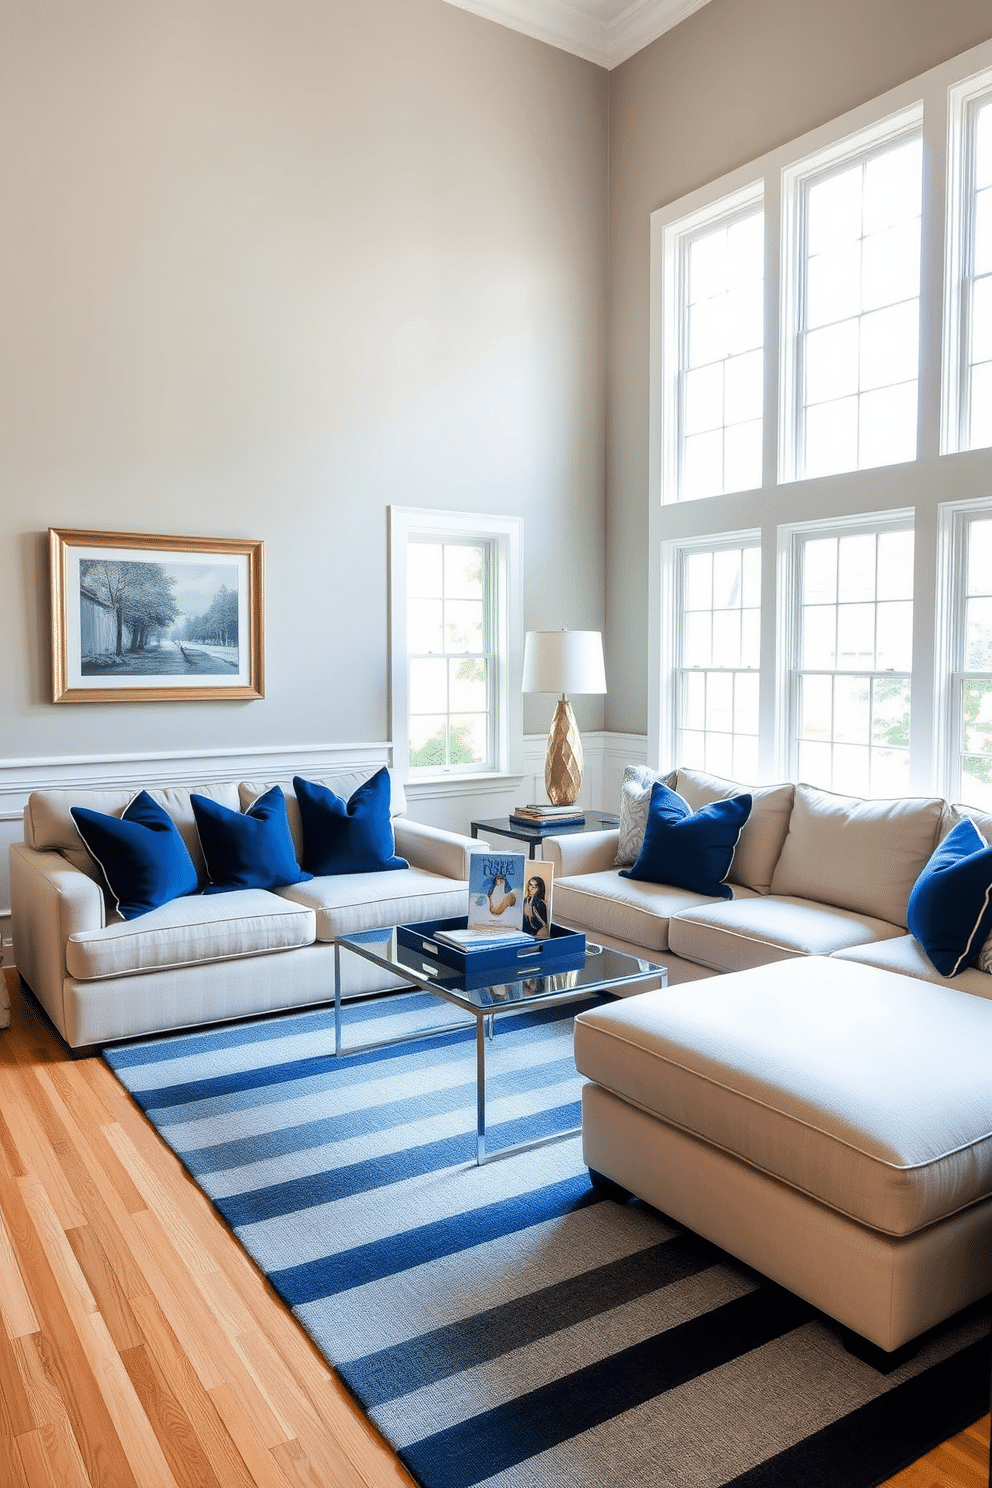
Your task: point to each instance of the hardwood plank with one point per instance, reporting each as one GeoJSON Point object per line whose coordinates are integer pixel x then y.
{"type": "Point", "coordinates": [65, 1358]}
{"type": "Point", "coordinates": [51, 1458]}
{"type": "Point", "coordinates": [15, 1304]}
{"type": "Point", "coordinates": [179, 1442]}
{"type": "Point", "coordinates": [262, 1465]}
{"type": "Point", "coordinates": [177, 1370]}
{"type": "Point", "coordinates": [15, 1406]}
{"type": "Point", "coordinates": [106, 1287]}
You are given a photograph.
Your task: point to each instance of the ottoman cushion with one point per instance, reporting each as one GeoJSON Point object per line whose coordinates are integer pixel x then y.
{"type": "Point", "coordinates": [869, 1091]}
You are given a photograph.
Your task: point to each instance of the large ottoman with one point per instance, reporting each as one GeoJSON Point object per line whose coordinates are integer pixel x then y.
{"type": "Point", "coordinates": [825, 1122]}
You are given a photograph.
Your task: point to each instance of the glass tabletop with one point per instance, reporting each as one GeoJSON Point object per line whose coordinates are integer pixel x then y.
{"type": "Point", "coordinates": [601, 969]}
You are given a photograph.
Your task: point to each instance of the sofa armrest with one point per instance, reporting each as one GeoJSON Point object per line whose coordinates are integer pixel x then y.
{"type": "Point", "coordinates": [581, 852]}
{"type": "Point", "coordinates": [49, 901]}
{"type": "Point", "coordinates": [433, 849]}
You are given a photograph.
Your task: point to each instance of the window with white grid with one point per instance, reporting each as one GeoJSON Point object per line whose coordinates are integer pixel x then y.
{"type": "Point", "coordinates": [716, 676]}
{"type": "Point", "coordinates": [969, 714]}
{"type": "Point", "coordinates": [968, 346]}
{"type": "Point", "coordinates": [851, 678]}
{"type": "Point", "coordinates": [856, 360]}
{"type": "Point", "coordinates": [455, 638]}
{"type": "Point", "coordinates": [722, 357]}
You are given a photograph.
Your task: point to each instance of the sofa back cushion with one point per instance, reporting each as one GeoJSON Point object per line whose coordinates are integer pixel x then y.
{"type": "Point", "coordinates": [49, 827]}
{"type": "Point", "coordinates": [764, 831]}
{"type": "Point", "coordinates": [343, 785]}
{"type": "Point", "coordinates": [857, 854]}
{"type": "Point", "coordinates": [635, 803]}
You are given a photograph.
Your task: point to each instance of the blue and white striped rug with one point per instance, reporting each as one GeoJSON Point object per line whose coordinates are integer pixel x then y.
{"type": "Point", "coordinates": [504, 1325]}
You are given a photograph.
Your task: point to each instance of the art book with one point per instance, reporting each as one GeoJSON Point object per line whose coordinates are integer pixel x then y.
{"type": "Point", "coordinates": [496, 891]}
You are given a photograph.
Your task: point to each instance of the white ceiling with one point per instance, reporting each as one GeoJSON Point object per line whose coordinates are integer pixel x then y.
{"type": "Point", "coordinates": [603, 31]}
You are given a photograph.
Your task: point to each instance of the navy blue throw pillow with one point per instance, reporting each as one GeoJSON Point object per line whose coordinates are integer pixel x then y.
{"type": "Point", "coordinates": [354, 836]}
{"type": "Point", "coordinates": [144, 861]}
{"type": "Point", "coordinates": [950, 908]}
{"type": "Point", "coordinates": [250, 849]}
{"type": "Point", "coordinates": [690, 849]}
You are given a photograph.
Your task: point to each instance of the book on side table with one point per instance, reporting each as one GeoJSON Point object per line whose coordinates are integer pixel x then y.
{"type": "Point", "coordinates": [537, 815]}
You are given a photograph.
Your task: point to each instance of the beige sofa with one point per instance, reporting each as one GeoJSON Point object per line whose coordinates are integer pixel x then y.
{"type": "Point", "coordinates": [814, 874]}
{"type": "Point", "coordinates": [809, 1094]}
{"type": "Point", "coordinates": [206, 958]}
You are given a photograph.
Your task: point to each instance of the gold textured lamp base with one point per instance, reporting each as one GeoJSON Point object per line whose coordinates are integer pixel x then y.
{"type": "Point", "coordinates": [563, 766]}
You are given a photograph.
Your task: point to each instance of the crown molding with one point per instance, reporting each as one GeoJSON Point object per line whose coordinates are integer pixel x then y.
{"type": "Point", "coordinates": [563, 24]}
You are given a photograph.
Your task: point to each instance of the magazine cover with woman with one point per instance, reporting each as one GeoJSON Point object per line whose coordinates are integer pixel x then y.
{"type": "Point", "coordinates": [509, 891]}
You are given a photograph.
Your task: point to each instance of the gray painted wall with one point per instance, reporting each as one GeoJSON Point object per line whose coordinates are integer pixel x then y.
{"type": "Point", "coordinates": [736, 79]}
{"type": "Point", "coordinates": [268, 268]}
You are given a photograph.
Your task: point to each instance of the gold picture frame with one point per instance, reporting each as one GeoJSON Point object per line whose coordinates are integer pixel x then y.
{"type": "Point", "coordinates": [151, 618]}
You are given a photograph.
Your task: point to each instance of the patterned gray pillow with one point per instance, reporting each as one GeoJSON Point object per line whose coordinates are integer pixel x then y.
{"type": "Point", "coordinates": [635, 801]}
{"type": "Point", "coordinates": [984, 962]}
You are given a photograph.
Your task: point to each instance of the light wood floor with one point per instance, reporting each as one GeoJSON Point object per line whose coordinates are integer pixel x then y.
{"type": "Point", "coordinates": [140, 1348]}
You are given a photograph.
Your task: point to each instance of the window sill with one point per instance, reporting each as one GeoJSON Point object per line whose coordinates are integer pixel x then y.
{"type": "Point", "coordinates": [489, 783]}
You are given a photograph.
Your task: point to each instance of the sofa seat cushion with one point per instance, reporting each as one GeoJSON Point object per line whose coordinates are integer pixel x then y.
{"type": "Point", "coordinates": [347, 902]}
{"type": "Point", "coordinates": [628, 909]}
{"type": "Point", "coordinates": [752, 932]}
{"type": "Point", "coordinates": [864, 1089]}
{"type": "Point", "coordinates": [906, 956]}
{"type": "Point", "coordinates": [218, 927]}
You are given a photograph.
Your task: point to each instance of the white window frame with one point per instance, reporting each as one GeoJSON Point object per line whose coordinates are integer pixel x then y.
{"type": "Point", "coordinates": [964, 100]}
{"type": "Point", "coordinates": [503, 535]}
{"type": "Point", "coordinates": [673, 560]}
{"type": "Point", "coordinates": [791, 540]}
{"type": "Point", "coordinates": [796, 180]}
{"type": "Point", "coordinates": [924, 485]}
{"type": "Point", "coordinates": [954, 519]}
{"type": "Point", "coordinates": [676, 236]}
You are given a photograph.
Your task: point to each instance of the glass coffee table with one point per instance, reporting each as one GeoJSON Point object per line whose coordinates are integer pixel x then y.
{"type": "Point", "coordinates": [602, 970]}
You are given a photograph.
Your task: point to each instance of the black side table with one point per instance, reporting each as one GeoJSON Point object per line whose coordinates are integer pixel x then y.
{"type": "Point", "coordinates": [596, 821]}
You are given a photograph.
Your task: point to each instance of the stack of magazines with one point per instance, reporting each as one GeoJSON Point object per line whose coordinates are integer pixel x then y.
{"type": "Point", "coordinates": [490, 940]}
{"type": "Point", "coordinates": [539, 816]}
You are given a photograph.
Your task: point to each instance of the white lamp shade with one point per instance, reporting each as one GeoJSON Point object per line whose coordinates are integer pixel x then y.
{"type": "Point", "coordinates": [563, 661]}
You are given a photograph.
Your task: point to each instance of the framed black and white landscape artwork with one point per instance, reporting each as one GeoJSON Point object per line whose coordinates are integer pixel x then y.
{"type": "Point", "coordinates": [141, 618]}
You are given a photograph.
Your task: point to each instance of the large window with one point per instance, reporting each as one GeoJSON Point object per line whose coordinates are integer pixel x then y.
{"type": "Point", "coordinates": [455, 630]}
{"type": "Point", "coordinates": [853, 636]}
{"type": "Point", "coordinates": [721, 357]}
{"type": "Point", "coordinates": [714, 340]}
{"type": "Point", "coordinates": [716, 693]}
{"type": "Point", "coordinates": [875, 423]}
{"type": "Point", "coordinates": [857, 359]}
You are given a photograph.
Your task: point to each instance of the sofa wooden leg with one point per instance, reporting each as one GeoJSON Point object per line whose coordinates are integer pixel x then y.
{"type": "Point", "coordinates": [608, 1188]}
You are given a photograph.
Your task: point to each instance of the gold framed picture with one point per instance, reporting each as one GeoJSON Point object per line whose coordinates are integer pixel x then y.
{"type": "Point", "coordinates": [147, 618]}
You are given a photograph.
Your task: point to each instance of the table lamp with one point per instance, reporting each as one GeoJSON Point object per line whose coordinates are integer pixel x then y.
{"type": "Point", "coordinates": [563, 661]}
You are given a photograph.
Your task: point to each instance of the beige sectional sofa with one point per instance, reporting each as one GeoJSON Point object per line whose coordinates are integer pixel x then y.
{"type": "Point", "coordinates": [809, 1093]}
{"type": "Point", "coordinates": [206, 958]}
{"type": "Point", "coordinates": [814, 874]}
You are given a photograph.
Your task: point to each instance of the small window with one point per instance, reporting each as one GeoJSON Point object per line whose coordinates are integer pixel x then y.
{"type": "Point", "coordinates": [450, 654]}
{"type": "Point", "coordinates": [455, 623]}
{"type": "Point", "coordinates": [853, 660]}
{"type": "Point", "coordinates": [716, 678]}
{"type": "Point", "coordinates": [857, 361]}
